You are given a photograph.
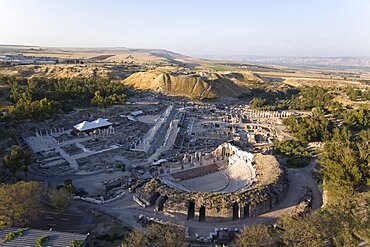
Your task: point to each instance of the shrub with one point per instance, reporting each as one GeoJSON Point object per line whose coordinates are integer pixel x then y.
{"type": "Point", "coordinates": [41, 240]}
{"type": "Point", "coordinates": [76, 243]}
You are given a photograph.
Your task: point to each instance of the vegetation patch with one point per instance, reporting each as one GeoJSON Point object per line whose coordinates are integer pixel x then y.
{"type": "Point", "coordinates": [76, 243]}
{"type": "Point", "coordinates": [40, 98]}
{"type": "Point", "coordinates": [314, 128]}
{"type": "Point", "coordinates": [294, 153]}
{"type": "Point", "coordinates": [15, 234]}
{"type": "Point", "coordinates": [40, 242]}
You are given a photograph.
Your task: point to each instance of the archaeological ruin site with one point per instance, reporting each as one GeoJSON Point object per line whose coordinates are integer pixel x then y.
{"type": "Point", "coordinates": [225, 184]}
{"type": "Point", "coordinates": [184, 123]}
{"type": "Point", "coordinates": [200, 166]}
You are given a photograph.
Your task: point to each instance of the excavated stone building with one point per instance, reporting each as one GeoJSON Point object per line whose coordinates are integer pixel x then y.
{"type": "Point", "coordinates": [222, 185]}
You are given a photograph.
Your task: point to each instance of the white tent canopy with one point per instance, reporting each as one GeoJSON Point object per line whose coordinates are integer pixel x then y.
{"type": "Point", "coordinates": [98, 123]}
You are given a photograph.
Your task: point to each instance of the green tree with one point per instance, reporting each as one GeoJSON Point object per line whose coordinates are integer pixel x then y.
{"type": "Point", "coordinates": [354, 94]}
{"type": "Point", "coordinates": [28, 109]}
{"type": "Point", "coordinates": [258, 103]}
{"type": "Point", "coordinates": [39, 98]}
{"type": "Point", "coordinates": [40, 242]}
{"type": "Point", "coordinates": [98, 99]}
{"type": "Point", "coordinates": [357, 118]}
{"type": "Point", "coordinates": [17, 160]}
{"type": "Point", "coordinates": [334, 227]}
{"type": "Point", "coordinates": [156, 236]}
{"type": "Point", "coordinates": [345, 166]}
{"type": "Point", "coordinates": [20, 203]}
{"type": "Point", "coordinates": [312, 128]}
{"type": "Point", "coordinates": [68, 186]}
{"type": "Point", "coordinates": [257, 235]}
{"type": "Point", "coordinates": [311, 97]}
{"type": "Point", "coordinates": [76, 243]}
{"type": "Point", "coordinates": [293, 151]}
{"type": "Point", "coordinates": [60, 199]}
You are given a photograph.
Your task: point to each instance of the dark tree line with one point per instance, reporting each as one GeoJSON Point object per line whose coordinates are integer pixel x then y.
{"type": "Point", "coordinates": [295, 99]}
{"type": "Point", "coordinates": [313, 128]}
{"type": "Point", "coordinates": [346, 163]}
{"type": "Point", "coordinates": [294, 153]}
{"type": "Point", "coordinates": [40, 98]}
{"type": "Point", "coordinates": [357, 94]}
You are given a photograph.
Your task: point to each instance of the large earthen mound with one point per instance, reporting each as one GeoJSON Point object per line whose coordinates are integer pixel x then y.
{"type": "Point", "coordinates": [192, 85]}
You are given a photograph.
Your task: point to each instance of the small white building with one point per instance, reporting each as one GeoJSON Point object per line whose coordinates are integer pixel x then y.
{"type": "Point", "coordinates": [87, 127]}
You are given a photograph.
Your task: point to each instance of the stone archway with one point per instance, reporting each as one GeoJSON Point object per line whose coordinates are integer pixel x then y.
{"type": "Point", "coordinates": [246, 211]}
{"type": "Point", "coordinates": [191, 210]}
{"type": "Point", "coordinates": [161, 202]}
{"type": "Point", "coordinates": [235, 211]}
{"type": "Point", "coordinates": [202, 214]}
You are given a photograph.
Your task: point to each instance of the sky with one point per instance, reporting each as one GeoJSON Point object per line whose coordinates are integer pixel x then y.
{"type": "Point", "coordinates": [193, 27]}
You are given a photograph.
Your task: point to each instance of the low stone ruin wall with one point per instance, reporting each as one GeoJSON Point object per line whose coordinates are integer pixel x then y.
{"type": "Point", "coordinates": [96, 201]}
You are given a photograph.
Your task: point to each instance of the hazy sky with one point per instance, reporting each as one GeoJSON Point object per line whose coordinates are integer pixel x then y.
{"type": "Point", "coordinates": [193, 27]}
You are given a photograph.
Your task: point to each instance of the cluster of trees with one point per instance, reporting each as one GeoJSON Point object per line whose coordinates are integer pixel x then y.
{"type": "Point", "coordinates": [107, 100]}
{"type": "Point", "coordinates": [16, 160]}
{"type": "Point", "coordinates": [32, 109]}
{"type": "Point", "coordinates": [272, 100]}
{"type": "Point", "coordinates": [258, 103]}
{"type": "Point", "coordinates": [294, 153]}
{"type": "Point", "coordinates": [312, 128]}
{"type": "Point", "coordinates": [156, 235]}
{"type": "Point", "coordinates": [76, 90]}
{"type": "Point", "coordinates": [6, 80]}
{"type": "Point", "coordinates": [346, 163]}
{"type": "Point", "coordinates": [333, 226]}
{"type": "Point", "coordinates": [345, 166]}
{"type": "Point", "coordinates": [345, 221]}
{"type": "Point", "coordinates": [297, 99]}
{"type": "Point", "coordinates": [60, 199]}
{"type": "Point", "coordinates": [311, 97]}
{"type": "Point", "coordinates": [61, 196]}
{"type": "Point", "coordinates": [39, 98]}
{"type": "Point", "coordinates": [357, 94]}
{"type": "Point", "coordinates": [345, 160]}
{"type": "Point", "coordinates": [357, 119]}
{"type": "Point", "coordinates": [20, 203]}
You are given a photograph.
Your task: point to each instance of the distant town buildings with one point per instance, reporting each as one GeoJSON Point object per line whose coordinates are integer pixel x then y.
{"type": "Point", "coordinates": [20, 59]}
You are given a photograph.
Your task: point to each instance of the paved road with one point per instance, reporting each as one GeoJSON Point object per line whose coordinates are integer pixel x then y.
{"type": "Point", "coordinates": [159, 137]}
{"type": "Point", "coordinates": [159, 140]}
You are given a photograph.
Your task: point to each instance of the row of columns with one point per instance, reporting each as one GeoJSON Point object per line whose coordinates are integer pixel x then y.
{"type": "Point", "coordinates": [268, 114]}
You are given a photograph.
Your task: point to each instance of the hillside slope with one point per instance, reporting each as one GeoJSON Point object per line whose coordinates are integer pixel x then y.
{"type": "Point", "coordinates": [193, 85]}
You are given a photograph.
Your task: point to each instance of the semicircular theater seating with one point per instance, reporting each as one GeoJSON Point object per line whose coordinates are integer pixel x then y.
{"type": "Point", "coordinates": [239, 174]}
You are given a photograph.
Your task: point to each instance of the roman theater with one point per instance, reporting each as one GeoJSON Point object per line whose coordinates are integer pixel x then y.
{"type": "Point", "coordinates": [221, 185]}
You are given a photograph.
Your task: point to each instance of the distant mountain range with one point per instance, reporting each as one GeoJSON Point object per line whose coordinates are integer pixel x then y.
{"type": "Point", "coordinates": [118, 54]}
{"type": "Point", "coordinates": [355, 63]}
{"type": "Point", "coordinates": [155, 55]}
